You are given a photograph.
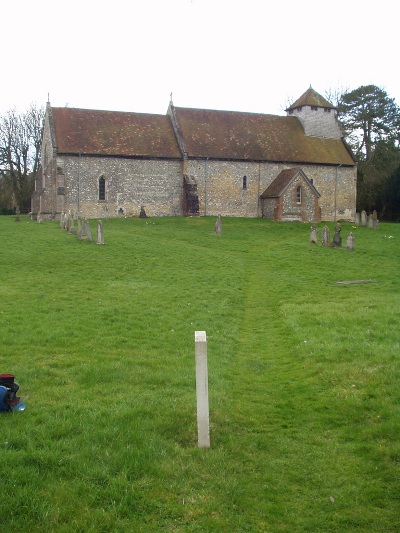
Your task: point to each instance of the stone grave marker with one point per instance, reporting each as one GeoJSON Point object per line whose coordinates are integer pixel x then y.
{"type": "Point", "coordinates": [87, 232]}
{"type": "Point", "coordinates": [218, 226]}
{"type": "Point", "coordinates": [100, 232]}
{"type": "Point", "coordinates": [337, 239]}
{"type": "Point", "coordinates": [326, 240]}
{"type": "Point", "coordinates": [363, 218]}
{"type": "Point", "coordinates": [313, 234]}
{"type": "Point", "coordinates": [357, 220]}
{"type": "Point", "coordinates": [350, 242]}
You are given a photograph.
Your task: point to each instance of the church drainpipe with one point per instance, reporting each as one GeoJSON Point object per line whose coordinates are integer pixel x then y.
{"type": "Point", "coordinates": [205, 187]}
{"type": "Point", "coordinates": [79, 185]}
{"type": "Point", "coordinates": [336, 185]}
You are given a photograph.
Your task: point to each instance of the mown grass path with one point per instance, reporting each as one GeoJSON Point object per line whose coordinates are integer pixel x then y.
{"type": "Point", "coordinates": [303, 378]}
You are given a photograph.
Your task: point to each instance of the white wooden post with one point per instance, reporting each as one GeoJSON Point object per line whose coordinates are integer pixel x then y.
{"type": "Point", "coordinates": [203, 423]}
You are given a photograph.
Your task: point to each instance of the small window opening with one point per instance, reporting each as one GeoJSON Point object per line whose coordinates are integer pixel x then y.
{"type": "Point", "coordinates": [314, 108]}
{"type": "Point", "coordinates": [298, 194]}
{"type": "Point", "coordinates": [244, 182]}
{"type": "Point", "coordinates": [327, 110]}
{"type": "Point", "coordinates": [102, 188]}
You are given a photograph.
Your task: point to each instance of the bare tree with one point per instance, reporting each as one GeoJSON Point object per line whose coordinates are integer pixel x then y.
{"type": "Point", "coordinates": [20, 142]}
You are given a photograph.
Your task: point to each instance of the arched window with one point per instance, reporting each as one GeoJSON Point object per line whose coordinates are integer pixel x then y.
{"type": "Point", "coordinates": [298, 194]}
{"type": "Point", "coordinates": [102, 188]}
{"type": "Point", "coordinates": [244, 182]}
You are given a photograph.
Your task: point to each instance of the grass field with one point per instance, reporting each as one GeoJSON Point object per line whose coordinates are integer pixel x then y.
{"type": "Point", "coordinates": [304, 378]}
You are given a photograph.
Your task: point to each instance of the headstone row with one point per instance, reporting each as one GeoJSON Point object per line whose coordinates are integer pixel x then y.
{"type": "Point", "coordinates": [337, 239]}
{"type": "Point", "coordinates": [83, 231]}
{"type": "Point", "coordinates": [367, 221]}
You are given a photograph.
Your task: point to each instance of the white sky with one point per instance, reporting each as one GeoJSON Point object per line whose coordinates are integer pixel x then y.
{"type": "Point", "coordinates": [244, 55]}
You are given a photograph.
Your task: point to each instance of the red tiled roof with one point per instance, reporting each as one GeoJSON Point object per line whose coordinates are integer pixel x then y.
{"type": "Point", "coordinates": [276, 188]}
{"type": "Point", "coordinates": [311, 98]}
{"type": "Point", "coordinates": [93, 132]}
{"type": "Point", "coordinates": [252, 136]}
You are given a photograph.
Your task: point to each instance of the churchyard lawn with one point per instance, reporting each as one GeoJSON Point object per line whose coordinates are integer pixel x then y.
{"type": "Point", "coordinates": [304, 378]}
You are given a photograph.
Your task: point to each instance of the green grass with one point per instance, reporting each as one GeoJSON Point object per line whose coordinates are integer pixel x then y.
{"type": "Point", "coordinates": [304, 378]}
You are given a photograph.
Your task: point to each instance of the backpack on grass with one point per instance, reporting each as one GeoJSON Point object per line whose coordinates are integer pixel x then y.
{"type": "Point", "coordinates": [9, 400]}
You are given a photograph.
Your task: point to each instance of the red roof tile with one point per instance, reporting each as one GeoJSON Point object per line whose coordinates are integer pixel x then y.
{"type": "Point", "coordinates": [252, 136]}
{"type": "Point", "coordinates": [277, 187]}
{"type": "Point", "coordinates": [114, 133]}
{"type": "Point", "coordinates": [311, 98]}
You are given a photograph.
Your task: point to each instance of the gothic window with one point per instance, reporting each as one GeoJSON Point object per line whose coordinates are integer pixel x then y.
{"type": "Point", "coordinates": [244, 182]}
{"type": "Point", "coordinates": [298, 195]}
{"type": "Point", "coordinates": [102, 188]}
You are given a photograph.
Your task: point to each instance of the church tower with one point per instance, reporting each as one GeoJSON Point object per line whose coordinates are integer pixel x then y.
{"type": "Point", "coordinates": [317, 115]}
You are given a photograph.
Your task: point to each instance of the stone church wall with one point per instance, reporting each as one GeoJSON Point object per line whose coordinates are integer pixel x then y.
{"type": "Point", "coordinates": [220, 187]}
{"type": "Point", "coordinates": [129, 184]}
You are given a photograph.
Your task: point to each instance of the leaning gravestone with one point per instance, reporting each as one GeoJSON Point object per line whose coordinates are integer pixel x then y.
{"type": "Point", "coordinates": [350, 242]}
{"type": "Point", "coordinates": [326, 240]}
{"type": "Point", "coordinates": [218, 226]}
{"type": "Point", "coordinates": [100, 233]}
{"type": "Point", "coordinates": [313, 234]}
{"type": "Point", "coordinates": [363, 218]}
{"type": "Point", "coordinates": [87, 232]}
{"type": "Point", "coordinates": [337, 239]}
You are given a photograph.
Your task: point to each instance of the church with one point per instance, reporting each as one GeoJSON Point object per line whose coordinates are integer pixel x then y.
{"type": "Point", "coordinates": [197, 162]}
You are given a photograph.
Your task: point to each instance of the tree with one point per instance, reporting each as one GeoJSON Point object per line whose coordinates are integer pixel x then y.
{"type": "Point", "coordinates": [20, 142]}
{"type": "Point", "coordinates": [391, 195]}
{"type": "Point", "coordinates": [374, 176]}
{"type": "Point", "coordinates": [371, 126]}
{"type": "Point", "coordinates": [368, 116]}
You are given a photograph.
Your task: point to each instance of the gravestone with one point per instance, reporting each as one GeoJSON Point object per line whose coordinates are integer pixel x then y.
{"type": "Point", "coordinates": [363, 218]}
{"type": "Point", "coordinates": [337, 239]}
{"type": "Point", "coordinates": [87, 232]}
{"type": "Point", "coordinates": [357, 219]}
{"type": "Point", "coordinates": [72, 230]}
{"type": "Point", "coordinates": [218, 226]}
{"type": "Point", "coordinates": [370, 221]}
{"type": "Point", "coordinates": [142, 213]}
{"type": "Point", "coordinates": [326, 240]}
{"type": "Point", "coordinates": [375, 221]}
{"type": "Point", "coordinates": [68, 223]}
{"type": "Point", "coordinates": [17, 213]}
{"type": "Point", "coordinates": [100, 233]}
{"type": "Point", "coordinates": [350, 242]}
{"type": "Point", "coordinates": [313, 234]}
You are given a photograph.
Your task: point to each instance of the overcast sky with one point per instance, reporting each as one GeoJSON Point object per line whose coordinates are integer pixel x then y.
{"type": "Point", "coordinates": [243, 55]}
